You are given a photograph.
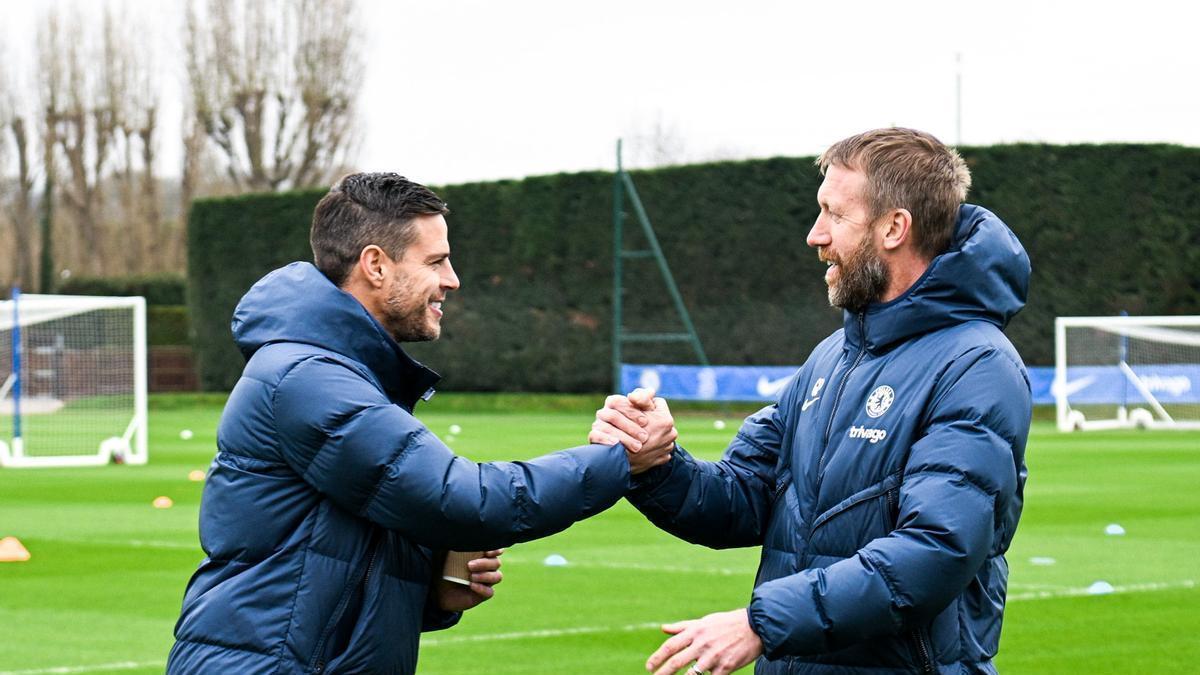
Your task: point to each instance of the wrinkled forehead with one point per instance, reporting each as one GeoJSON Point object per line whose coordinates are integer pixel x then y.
{"type": "Point", "coordinates": [842, 186]}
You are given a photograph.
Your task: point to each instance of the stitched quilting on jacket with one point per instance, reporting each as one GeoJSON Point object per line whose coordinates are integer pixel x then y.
{"type": "Point", "coordinates": [327, 501]}
{"type": "Point", "coordinates": [886, 484]}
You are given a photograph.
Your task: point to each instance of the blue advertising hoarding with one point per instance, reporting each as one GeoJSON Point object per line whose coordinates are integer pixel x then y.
{"type": "Point", "coordinates": [1169, 383]}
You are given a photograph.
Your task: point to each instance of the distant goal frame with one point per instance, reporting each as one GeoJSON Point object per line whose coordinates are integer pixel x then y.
{"type": "Point", "coordinates": [1149, 413]}
{"type": "Point", "coordinates": [128, 447]}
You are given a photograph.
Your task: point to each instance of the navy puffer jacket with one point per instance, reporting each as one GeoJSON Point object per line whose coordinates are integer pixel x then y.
{"type": "Point", "coordinates": [327, 502]}
{"type": "Point", "coordinates": [886, 484]}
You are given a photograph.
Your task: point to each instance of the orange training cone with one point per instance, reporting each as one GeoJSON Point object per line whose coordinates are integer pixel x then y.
{"type": "Point", "coordinates": [12, 550]}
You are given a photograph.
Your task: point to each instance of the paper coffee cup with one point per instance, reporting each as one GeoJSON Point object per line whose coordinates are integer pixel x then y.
{"type": "Point", "coordinates": [456, 566]}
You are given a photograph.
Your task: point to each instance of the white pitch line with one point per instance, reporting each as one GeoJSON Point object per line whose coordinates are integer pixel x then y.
{"type": "Point", "coordinates": [133, 543]}
{"type": "Point", "coordinates": [588, 630]}
{"type": "Point", "coordinates": [139, 543]}
{"type": "Point", "coordinates": [543, 633]}
{"type": "Point", "coordinates": [99, 667]}
{"type": "Point", "coordinates": [641, 567]}
{"type": "Point", "coordinates": [585, 630]}
{"type": "Point", "coordinates": [1018, 586]}
{"type": "Point", "coordinates": [1077, 592]}
{"type": "Point", "coordinates": [723, 571]}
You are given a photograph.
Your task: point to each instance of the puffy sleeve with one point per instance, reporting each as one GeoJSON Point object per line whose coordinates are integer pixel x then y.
{"type": "Point", "coordinates": [341, 434]}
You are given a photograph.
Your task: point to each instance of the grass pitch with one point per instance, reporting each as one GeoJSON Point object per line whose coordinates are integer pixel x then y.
{"type": "Point", "coordinates": [102, 591]}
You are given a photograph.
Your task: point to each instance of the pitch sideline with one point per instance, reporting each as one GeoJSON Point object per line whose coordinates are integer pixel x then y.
{"type": "Point", "coordinates": [586, 630]}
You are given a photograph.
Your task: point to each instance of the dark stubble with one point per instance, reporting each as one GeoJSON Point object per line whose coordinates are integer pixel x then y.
{"type": "Point", "coordinates": [862, 278]}
{"type": "Point", "coordinates": [405, 310]}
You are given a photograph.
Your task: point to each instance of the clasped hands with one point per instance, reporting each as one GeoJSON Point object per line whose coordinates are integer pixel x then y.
{"type": "Point", "coordinates": [719, 643]}
{"type": "Point", "coordinates": [642, 423]}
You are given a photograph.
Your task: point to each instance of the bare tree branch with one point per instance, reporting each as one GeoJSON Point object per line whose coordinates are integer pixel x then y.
{"type": "Point", "coordinates": [275, 92]}
{"type": "Point", "coordinates": [17, 196]}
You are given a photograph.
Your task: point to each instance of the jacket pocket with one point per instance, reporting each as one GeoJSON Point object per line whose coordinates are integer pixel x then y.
{"type": "Point", "coordinates": [889, 488]}
{"type": "Point", "coordinates": [865, 515]}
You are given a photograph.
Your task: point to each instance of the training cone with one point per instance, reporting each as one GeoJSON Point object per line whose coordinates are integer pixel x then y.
{"type": "Point", "coordinates": [12, 550]}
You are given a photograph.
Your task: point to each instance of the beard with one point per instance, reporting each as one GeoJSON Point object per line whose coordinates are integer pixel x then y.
{"type": "Point", "coordinates": [862, 278]}
{"type": "Point", "coordinates": [406, 315]}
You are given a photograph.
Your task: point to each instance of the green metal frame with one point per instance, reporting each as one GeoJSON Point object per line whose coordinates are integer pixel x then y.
{"type": "Point", "coordinates": [623, 188]}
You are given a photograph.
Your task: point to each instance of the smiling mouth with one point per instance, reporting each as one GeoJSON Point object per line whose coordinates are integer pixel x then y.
{"type": "Point", "coordinates": [832, 268]}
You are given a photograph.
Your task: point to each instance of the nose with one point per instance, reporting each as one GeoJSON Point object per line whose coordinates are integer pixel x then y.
{"type": "Point", "coordinates": [449, 278]}
{"type": "Point", "coordinates": [818, 236]}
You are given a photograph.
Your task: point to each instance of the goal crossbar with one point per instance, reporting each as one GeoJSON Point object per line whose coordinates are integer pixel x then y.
{"type": "Point", "coordinates": [1127, 371]}
{"type": "Point", "coordinates": [71, 411]}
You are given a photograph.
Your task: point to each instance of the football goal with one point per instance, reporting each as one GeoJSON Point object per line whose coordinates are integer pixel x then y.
{"type": "Point", "coordinates": [1127, 371]}
{"type": "Point", "coordinates": [72, 380]}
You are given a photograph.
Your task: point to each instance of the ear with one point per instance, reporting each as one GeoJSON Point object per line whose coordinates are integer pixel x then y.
{"type": "Point", "coordinates": [372, 265]}
{"type": "Point", "coordinates": [896, 229]}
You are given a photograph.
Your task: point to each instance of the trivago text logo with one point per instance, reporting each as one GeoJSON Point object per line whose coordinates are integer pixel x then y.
{"type": "Point", "coordinates": [1174, 385]}
{"type": "Point", "coordinates": [872, 435]}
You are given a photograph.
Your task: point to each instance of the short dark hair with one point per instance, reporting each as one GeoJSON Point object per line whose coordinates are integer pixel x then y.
{"type": "Point", "coordinates": [908, 169]}
{"type": "Point", "coordinates": [364, 209]}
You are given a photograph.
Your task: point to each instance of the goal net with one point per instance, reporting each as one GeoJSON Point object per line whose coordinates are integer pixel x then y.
{"type": "Point", "coordinates": [72, 380]}
{"type": "Point", "coordinates": [1127, 371]}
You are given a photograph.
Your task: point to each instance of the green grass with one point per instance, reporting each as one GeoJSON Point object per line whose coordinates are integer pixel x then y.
{"type": "Point", "coordinates": [108, 569]}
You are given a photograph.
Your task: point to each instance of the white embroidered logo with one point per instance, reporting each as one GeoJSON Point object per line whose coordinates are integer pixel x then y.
{"type": "Point", "coordinates": [816, 394]}
{"type": "Point", "coordinates": [880, 400]}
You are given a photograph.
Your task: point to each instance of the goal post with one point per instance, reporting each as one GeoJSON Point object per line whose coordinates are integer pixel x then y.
{"type": "Point", "coordinates": [72, 380]}
{"type": "Point", "coordinates": [1127, 371]}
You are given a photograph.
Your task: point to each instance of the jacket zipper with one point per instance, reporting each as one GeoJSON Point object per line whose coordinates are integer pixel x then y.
{"type": "Point", "coordinates": [926, 662]}
{"type": "Point", "coordinates": [780, 488]}
{"type": "Point", "coordinates": [341, 607]}
{"type": "Point", "coordinates": [837, 398]}
{"type": "Point", "coordinates": [893, 500]}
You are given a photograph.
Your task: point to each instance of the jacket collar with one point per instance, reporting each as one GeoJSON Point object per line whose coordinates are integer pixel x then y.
{"type": "Point", "coordinates": [984, 275]}
{"type": "Point", "coordinates": [298, 303]}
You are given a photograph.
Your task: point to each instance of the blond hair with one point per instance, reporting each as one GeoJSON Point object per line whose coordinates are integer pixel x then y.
{"type": "Point", "coordinates": [907, 169]}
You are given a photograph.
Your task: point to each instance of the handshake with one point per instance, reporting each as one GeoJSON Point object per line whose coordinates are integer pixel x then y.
{"type": "Point", "coordinates": [642, 423]}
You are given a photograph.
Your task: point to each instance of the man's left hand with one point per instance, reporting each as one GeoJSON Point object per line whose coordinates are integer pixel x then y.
{"type": "Point", "coordinates": [719, 644]}
{"type": "Point", "coordinates": [485, 573]}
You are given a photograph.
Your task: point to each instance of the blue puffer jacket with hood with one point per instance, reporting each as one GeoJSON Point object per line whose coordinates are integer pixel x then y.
{"type": "Point", "coordinates": [886, 484]}
{"type": "Point", "coordinates": [327, 504]}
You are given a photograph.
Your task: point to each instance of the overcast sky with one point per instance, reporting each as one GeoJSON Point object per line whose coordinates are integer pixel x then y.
{"type": "Point", "coordinates": [462, 90]}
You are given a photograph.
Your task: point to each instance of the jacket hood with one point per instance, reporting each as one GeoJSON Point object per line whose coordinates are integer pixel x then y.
{"type": "Point", "coordinates": [298, 303]}
{"type": "Point", "coordinates": [983, 276]}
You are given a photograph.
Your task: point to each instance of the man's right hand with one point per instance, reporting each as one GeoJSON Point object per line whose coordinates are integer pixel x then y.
{"type": "Point", "coordinates": [642, 423]}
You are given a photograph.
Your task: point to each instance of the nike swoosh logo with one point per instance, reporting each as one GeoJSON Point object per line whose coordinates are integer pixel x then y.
{"type": "Point", "coordinates": [808, 403]}
{"type": "Point", "coordinates": [1074, 386]}
{"type": "Point", "coordinates": [770, 388]}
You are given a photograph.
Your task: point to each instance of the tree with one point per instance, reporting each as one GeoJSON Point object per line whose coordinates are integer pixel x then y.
{"type": "Point", "coordinates": [659, 143]}
{"type": "Point", "coordinates": [273, 86]}
{"type": "Point", "coordinates": [17, 195]}
{"type": "Point", "coordinates": [129, 88]}
{"type": "Point", "coordinates": [78, 125]}
{"type": "Point", "coordinates": [100, 114]}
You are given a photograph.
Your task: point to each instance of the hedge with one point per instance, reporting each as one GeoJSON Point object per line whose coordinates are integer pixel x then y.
{"type": "Point", "coordinates": [1108, 228]}
{"type": "Point", "coordinates": [158, 289]}
{"type": "Point", "coordinates": [166, 313]}
{"type": "Point", "coordinates": [167, 325]}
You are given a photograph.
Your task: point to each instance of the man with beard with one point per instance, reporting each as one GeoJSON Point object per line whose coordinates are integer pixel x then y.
{"type": "Point", "coordinates": [886, 484]}
{"type": "Point", "coordinates": [329, 507]}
